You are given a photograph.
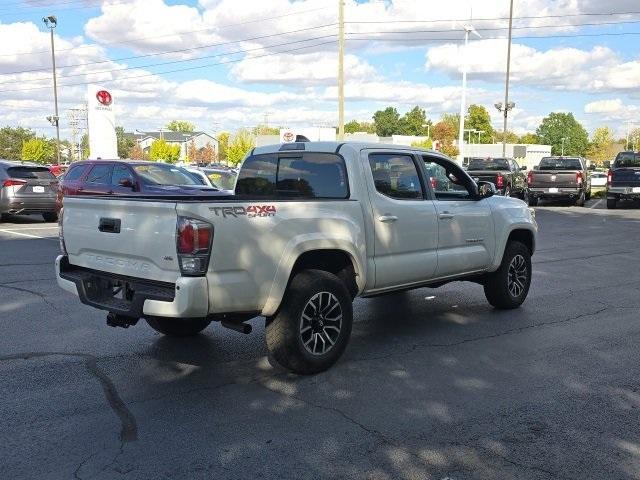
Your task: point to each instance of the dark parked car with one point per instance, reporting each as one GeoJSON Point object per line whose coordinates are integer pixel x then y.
{"type": "Point", "coordinates": [623, 179]}
{"type": "Point", "coordinates": [565, 178]}
{"type": "Point", "coordinates": [27, 188]}
{"type": "Point", "coordinates": [118, 177]}
{"type": "Point", "coordinates": [504, 173]}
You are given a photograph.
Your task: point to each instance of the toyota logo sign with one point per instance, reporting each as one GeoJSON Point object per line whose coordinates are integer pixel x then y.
{"type": "Point", "coordinates": [288, 137]}
{"type": "Point", "coordinates": [104, 97]}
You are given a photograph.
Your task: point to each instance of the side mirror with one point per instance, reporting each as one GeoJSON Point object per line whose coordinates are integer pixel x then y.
{"type": "Point", "coordinates": [523, 167]}
{"type": "Point", "coordinates": [486, 189]}
{"type": "Point", "coordinates": [126, 182]}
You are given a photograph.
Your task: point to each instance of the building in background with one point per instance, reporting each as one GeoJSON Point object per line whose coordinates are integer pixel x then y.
{"type": "Point", "coordinates": [184, 139]}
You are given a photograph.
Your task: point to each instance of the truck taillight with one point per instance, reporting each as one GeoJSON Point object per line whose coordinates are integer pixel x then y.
{"type": "Point", "coordinates": [194, 239]}
{"type": "Point", "coordinates": [609, 177]}
{"type": "Point", "coordinates": [579, 178]}
{"type": "Point", "coordinates": [530, 178]}
{"type": "Point", "coordinates": [499, 181]}
{"type": "Point", "coordinates": [13, 182]}
{"type": "Point", "coordinates": [63, 247]}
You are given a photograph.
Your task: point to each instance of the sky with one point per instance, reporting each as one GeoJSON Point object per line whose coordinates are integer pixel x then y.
{"type": "Point", "coordinates": [226, 64]}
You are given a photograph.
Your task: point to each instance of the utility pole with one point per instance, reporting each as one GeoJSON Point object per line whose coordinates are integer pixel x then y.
{"type": "Point", "coordinates": [340, 70]}
{"type": "Point", "coordinates": [51, 22]}
{"type": "Point", "coordinates": [464, 96]}
{"type": "Point", "coordinates": [506, 88]}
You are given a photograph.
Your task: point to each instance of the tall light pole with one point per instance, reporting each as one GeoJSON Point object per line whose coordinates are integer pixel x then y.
{"type": "Point", "coordinates": [467, 30]}
{"type": "Point", "coordinates": [563, 140]}
{"type": "Point", "coordinates": [340, 70]}
{"type": "Point", "coordinates": [506, 87]}
{"type": "Point", "coordinates": [51, 22]}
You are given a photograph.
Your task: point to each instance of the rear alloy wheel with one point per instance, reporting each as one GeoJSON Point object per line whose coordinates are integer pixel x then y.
{"type": "Point", "coordinates": [611, 203]}
{"type": "Point", "coordinates": [178, 327]}
{"type": "Point", "coordinates": [312, 328]}
{"type": "Point", "coordinates": [507, 287]}
{"type": "Point", "coordinates": [50, 217]}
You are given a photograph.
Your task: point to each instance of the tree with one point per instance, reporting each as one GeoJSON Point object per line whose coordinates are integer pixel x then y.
{"type": "Point", "coordinates": [426, 143]}
{"type": "Point", "coordinates": [136, 153]}
{"type": "Point", "coordinates": [208, 153]}
{"type": "Point", "coordinates": [37, 150]}
{"type": "Point", "coordinates": [529, 138]}
{"type": "Point", "coordinates": [386, 121]}
{"type": "Point", "coordinates": [452, 119]}
{"type": "Point", "coordinates": [443, 132]}
{"type": "Point", "coordinates": [11, 141]}
{"type": "Point", "coordinates": [223, 145]}
{"type": "Point", "coordinates": [161, 150]}
{"type": "Point", "coordinates": [450, 150]}
{"type": "Point", "coordinates": [511, 137]}
{"type": "Point", "coordinates": [84, 147]}
{"type": "Point", "coordinates": [557, 126]}
{"type": "Point", "coordinates": [125, 143]}
{"type": "Point", "coordinates": [354, 126]}
{"type": "Point", "coordinates": [180, 126]}
{"type": "Point", "coordinates": [601, 147]}
{"type": "Point", "coordinates": [241, 145]}
{"type": "Point", "coordinates": [478, 119]}
{"type": "Point", "coordinates": [412, 122]}
{"type": "Point", "coordinates": [193, 154]}
{"type": "Point", "coordinates": [265, 130]}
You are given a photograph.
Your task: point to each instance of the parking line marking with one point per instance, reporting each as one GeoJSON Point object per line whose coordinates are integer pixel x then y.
{"type": "Point", "coordinates": [34, 228]}
{"type": "Point", "coordinates": [27, 235]}
{"type": "Point", "coordinates": [596, 204]}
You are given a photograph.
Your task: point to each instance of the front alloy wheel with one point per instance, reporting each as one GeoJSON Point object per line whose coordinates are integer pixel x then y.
{"type": "Point", "coordinates": [320, 323]}
{"type": "Point", "coordinates": [508, 286]}
{"type": "Point", "coordinates": [517, 276]}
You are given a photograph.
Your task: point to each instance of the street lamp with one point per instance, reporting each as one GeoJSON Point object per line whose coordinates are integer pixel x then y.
{"type": "Point", "coordinates": [51, 22]}
{"type": "Point", "coordinates": [504, 108]}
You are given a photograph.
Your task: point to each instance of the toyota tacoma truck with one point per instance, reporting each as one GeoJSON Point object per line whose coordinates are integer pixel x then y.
{"type": "Point", "coordinates": [623, 179]}
{"type": "Point", "coordinates": [565, 178]}
{"type": "Point", "coordinates": [310, 227]}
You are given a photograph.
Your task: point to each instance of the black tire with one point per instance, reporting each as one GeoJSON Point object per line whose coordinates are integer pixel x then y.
{"type": "Point", "coordinates": [498, 286]}
{"type": "Point", "coordinates": [587, 197]}
{"type": "Point", "coordinates": [178, 327]}
{"type": "Point", "coordinates": [612, 203]}
{"type": "Point", "coordinates": [292, 330]}
{"type": "Point", "coordinates": [50, 217]}
{"type": "Point", "coordinates": [4, 217]}
{"type": "Point", "coordinates": [533, 201]}
{"type": "Point", "coordinates": [580, 200]}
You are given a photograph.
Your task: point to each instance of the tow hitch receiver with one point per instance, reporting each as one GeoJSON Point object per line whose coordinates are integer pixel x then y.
{"type": "Point", "coordinates": [116, 320]}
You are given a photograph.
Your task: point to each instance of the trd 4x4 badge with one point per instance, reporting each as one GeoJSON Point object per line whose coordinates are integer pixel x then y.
{"type": "Point", "coordinates": [251, 211]}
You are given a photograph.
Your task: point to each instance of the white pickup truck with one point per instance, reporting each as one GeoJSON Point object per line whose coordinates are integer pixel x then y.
{"type": "Point", "coordinates": [310, 227]}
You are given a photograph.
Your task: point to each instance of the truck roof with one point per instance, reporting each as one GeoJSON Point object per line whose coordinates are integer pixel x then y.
{"type": "Point", "coordinates": [332, 147]}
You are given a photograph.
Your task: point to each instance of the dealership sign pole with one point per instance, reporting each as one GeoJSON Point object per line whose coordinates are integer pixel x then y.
{"type": "Point", "coordinates": [102, 123]}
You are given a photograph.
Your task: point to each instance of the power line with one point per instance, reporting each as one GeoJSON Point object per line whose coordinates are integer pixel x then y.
{"type": "Point", "coordinates": [181, 50]}
{"type": "Point", "coordinates": [183, 32]}
{"type": "Point", "coordinates": [262, 47]}
{"type": "Point", "coordinates": [176, 70]}
{"type": "Point", "coordinates": [23, 11]}
{"type": "Point", "coordinates": [457, 39]}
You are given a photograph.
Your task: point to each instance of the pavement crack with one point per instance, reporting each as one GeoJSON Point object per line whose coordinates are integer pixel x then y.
{"type": "Point", "coordinates": [76, 472]}
{"type": "Point", "coordinates": [40, 295]}
{"type": "Point", "coordinates": [129, 428]}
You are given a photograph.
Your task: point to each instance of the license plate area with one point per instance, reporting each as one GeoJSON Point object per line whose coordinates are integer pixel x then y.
{"type": "Point", "coordinates": [38, 189]}
{"type": "Point", "coordinates": [553, 190]}
{"type": "Point", "coordinates": [635, 190]}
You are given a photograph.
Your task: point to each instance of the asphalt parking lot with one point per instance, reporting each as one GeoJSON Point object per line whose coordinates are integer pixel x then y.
{"type": "Point", "coordinates": [435, 384]}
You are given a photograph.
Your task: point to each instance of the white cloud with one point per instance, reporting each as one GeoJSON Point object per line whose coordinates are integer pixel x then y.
{"type": "Point", "coordinates": [603, 106]}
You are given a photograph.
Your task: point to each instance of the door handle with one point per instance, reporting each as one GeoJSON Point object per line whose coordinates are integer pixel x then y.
{"type": "Point", "coordinates": [387, 218]}
{"type": "Point", "coordinates": [446, 216]}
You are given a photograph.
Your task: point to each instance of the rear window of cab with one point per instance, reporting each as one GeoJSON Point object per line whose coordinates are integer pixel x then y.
{"type": "Point", "coordinates": [306, 175]}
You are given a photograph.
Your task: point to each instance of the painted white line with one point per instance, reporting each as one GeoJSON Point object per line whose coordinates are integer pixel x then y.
{"type": "Point", "coordinates": [27, 235]}
{"type": "Point", "coordinates": [33, 228]}
{"type": "Point", "coordinates": [597, 203]}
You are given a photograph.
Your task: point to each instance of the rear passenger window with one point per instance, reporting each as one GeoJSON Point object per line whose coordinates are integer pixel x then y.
{"type": "Point", "coordinates": [100, 174]}
{"type": "Point", "coordinates": [75, 173]}
{"type": "Point", "coordinates": [309, 175]}
{"type": "Point", "coordinates": [395, 176]}
{"type": "Point", "coordinates": [121, 172]}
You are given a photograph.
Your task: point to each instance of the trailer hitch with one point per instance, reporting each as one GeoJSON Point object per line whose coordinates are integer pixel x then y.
{"type": "Point", "coordinates": [117, 320]}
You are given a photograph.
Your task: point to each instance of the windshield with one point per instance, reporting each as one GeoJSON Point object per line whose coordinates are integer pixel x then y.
{"type": "Point", "coordinates": [560, 163]}
{"type": "Point", "coordinates": [627, 159]}
{"type": "Point", "coordinates": [163, 174]}
{"type": "Point", "coordinates": [30, 172]}
{"type": "Point", "coordinates": [221, 179]}
{"type": "Point", "coordinates": [488, 164]}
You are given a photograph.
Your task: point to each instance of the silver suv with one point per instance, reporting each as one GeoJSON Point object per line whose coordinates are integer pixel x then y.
{"type": "Point", "coordinates": [27, 188]}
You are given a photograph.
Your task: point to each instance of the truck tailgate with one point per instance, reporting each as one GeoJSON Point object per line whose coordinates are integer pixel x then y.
{"type": "Point", "coordinates": [127, 237]}
{"type": "Point", "coordinates": [625, 177]}
{"type": "Point", "coordinates": [551, 178]}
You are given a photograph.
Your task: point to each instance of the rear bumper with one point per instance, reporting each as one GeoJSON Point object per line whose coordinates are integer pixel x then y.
{"type": "Point", "coordinates": [558, 193]}
{"type": "Point", "coordinates": [17, 205]}
{"type": "Point", "coordinates": [623, 193]}
{"type": "Point", "coordinates": [188, 297]}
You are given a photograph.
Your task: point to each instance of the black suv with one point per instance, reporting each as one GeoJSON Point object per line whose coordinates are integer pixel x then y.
{"type": "Point", "coordinates": [27, 188]}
